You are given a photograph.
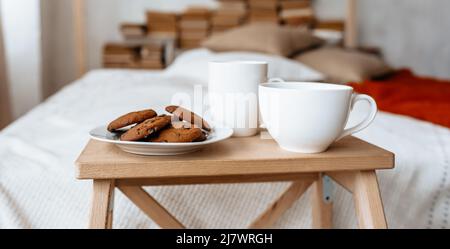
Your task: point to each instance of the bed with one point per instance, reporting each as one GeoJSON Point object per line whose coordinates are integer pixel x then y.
{"type": "Point", "coordinates": [38, 188]}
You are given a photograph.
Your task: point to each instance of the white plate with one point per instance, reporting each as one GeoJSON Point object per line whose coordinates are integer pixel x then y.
{"type": "Point", "coordinates": [158, 149]}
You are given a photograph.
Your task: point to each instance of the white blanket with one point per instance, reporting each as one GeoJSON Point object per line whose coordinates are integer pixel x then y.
{"type": "Point", "coordinates": [38, 188]}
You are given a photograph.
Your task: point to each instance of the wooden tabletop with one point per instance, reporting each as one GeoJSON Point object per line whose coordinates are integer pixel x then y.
{"type": "Point", "coordinates": [235, 156]}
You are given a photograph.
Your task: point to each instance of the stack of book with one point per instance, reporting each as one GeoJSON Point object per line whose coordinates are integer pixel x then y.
{"type": "Point", "coordinates": [263, 11]}
{"type": "Point", "coordinates": [162, 24]}
{"type": "Point", "coordinates": [194, 26]}
{"type": "Point", "coordinates": [144, 56]}
{"type": "Point", "coordinates": [133, 30]}
{"type": "Point", "coordinates": [116, 55]}
{"type": "Point", "coordinates": [337, 25]}
{"type": "Point", "coordinates": [230, 14]}
{"type": "Point", "coordinates": [152, 56]}
{"type": "Point", "coordinates": [296, 12]}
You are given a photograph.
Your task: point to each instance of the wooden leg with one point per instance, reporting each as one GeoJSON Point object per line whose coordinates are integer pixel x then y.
{"type": "Point", "coordinates": [102, 204]}
{"type": "Point", "coordinates": [151, 207]}
{"type": "Point", "coordinates": [345, 179]}
{"type": "Point", "coordinates": [321, 209]}
{"type": "Point", "coordinates": [368, 204]}
{"type": "Point", "coordinates": [278, 207]}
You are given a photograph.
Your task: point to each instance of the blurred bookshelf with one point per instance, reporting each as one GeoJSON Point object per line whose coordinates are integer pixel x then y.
{"type": "Point", "coordinates": [154, 44]}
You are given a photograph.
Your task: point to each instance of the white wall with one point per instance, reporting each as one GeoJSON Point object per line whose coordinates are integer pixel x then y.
{"type": "Point", "coordinates": [22, 42]}
{"type": "Point", "coordinates": [413, 33]}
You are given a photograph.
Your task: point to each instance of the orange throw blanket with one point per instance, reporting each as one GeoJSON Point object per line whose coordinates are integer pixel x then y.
{"type": "Point", "coordinates": [404, 93]}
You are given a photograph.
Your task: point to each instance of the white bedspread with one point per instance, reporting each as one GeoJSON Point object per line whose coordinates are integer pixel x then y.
{"type": "Point", "coordinates": [38, 188]}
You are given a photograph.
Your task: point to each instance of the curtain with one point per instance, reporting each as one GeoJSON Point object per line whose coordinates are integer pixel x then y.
{"type": "Point", "coordinates": [5, 107]}
{"type": "Point", "coordinates": [22, 50]}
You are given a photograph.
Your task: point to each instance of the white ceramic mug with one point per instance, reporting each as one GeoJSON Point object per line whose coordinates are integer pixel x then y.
{"type": "Point", "coordinates": [309, 117]}
{"type": "Point", "coordinates": [233, 94]}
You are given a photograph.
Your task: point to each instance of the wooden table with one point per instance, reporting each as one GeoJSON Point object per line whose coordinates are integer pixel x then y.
{"type": "Point", "coordinates": [350, 162]}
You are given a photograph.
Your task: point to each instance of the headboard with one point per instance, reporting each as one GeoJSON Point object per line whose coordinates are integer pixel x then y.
{"type": "Point", "coordinates": [350, 31]}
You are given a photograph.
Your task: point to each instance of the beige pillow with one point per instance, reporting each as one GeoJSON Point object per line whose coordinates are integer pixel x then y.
{"type": "Point", "coordinates": [342, 66]}
{"type": "Point", "coordinates": [265, 38]}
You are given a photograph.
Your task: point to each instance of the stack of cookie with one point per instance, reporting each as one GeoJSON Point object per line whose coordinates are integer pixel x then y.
{"type": "Point", "coordinates": [180, 126]}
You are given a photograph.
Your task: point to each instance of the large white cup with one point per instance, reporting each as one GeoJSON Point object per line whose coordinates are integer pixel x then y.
{"type": "Point", "coordinates": [233, 94]}
{"type": "Point", "coordinates": [309, 117]}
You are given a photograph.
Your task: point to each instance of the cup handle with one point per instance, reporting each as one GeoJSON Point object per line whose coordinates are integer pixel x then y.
{"type": "Point", "coordinates": [275, 80]}
{"type": "Point", "coordinates": [366, 122]}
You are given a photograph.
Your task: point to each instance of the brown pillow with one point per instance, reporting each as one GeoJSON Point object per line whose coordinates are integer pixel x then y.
{"type": "Point", "coordinates": [265, 38]}
{"type": "Point", "coordinates": [342, 66]}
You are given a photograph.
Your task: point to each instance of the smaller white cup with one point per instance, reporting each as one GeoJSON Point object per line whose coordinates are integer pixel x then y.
{"type": "Point", "coordinates": [233, 94]}
{"type": "Point", "coordinates": [309, 117]}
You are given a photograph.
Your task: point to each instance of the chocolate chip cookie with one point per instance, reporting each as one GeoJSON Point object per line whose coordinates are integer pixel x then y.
{"type": "Point", "coordinates": [202, 138]}
{"type": "Point", "coordinates": [177, 135]}
{"type": "Point", "coordinates": [182, 124]}
{"type": "Point", "coordinates": [188, 116]}
{"type": "Point", "coordinates": [131, 118]}
{"type": "Point", "coordinates": [146, 128]}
